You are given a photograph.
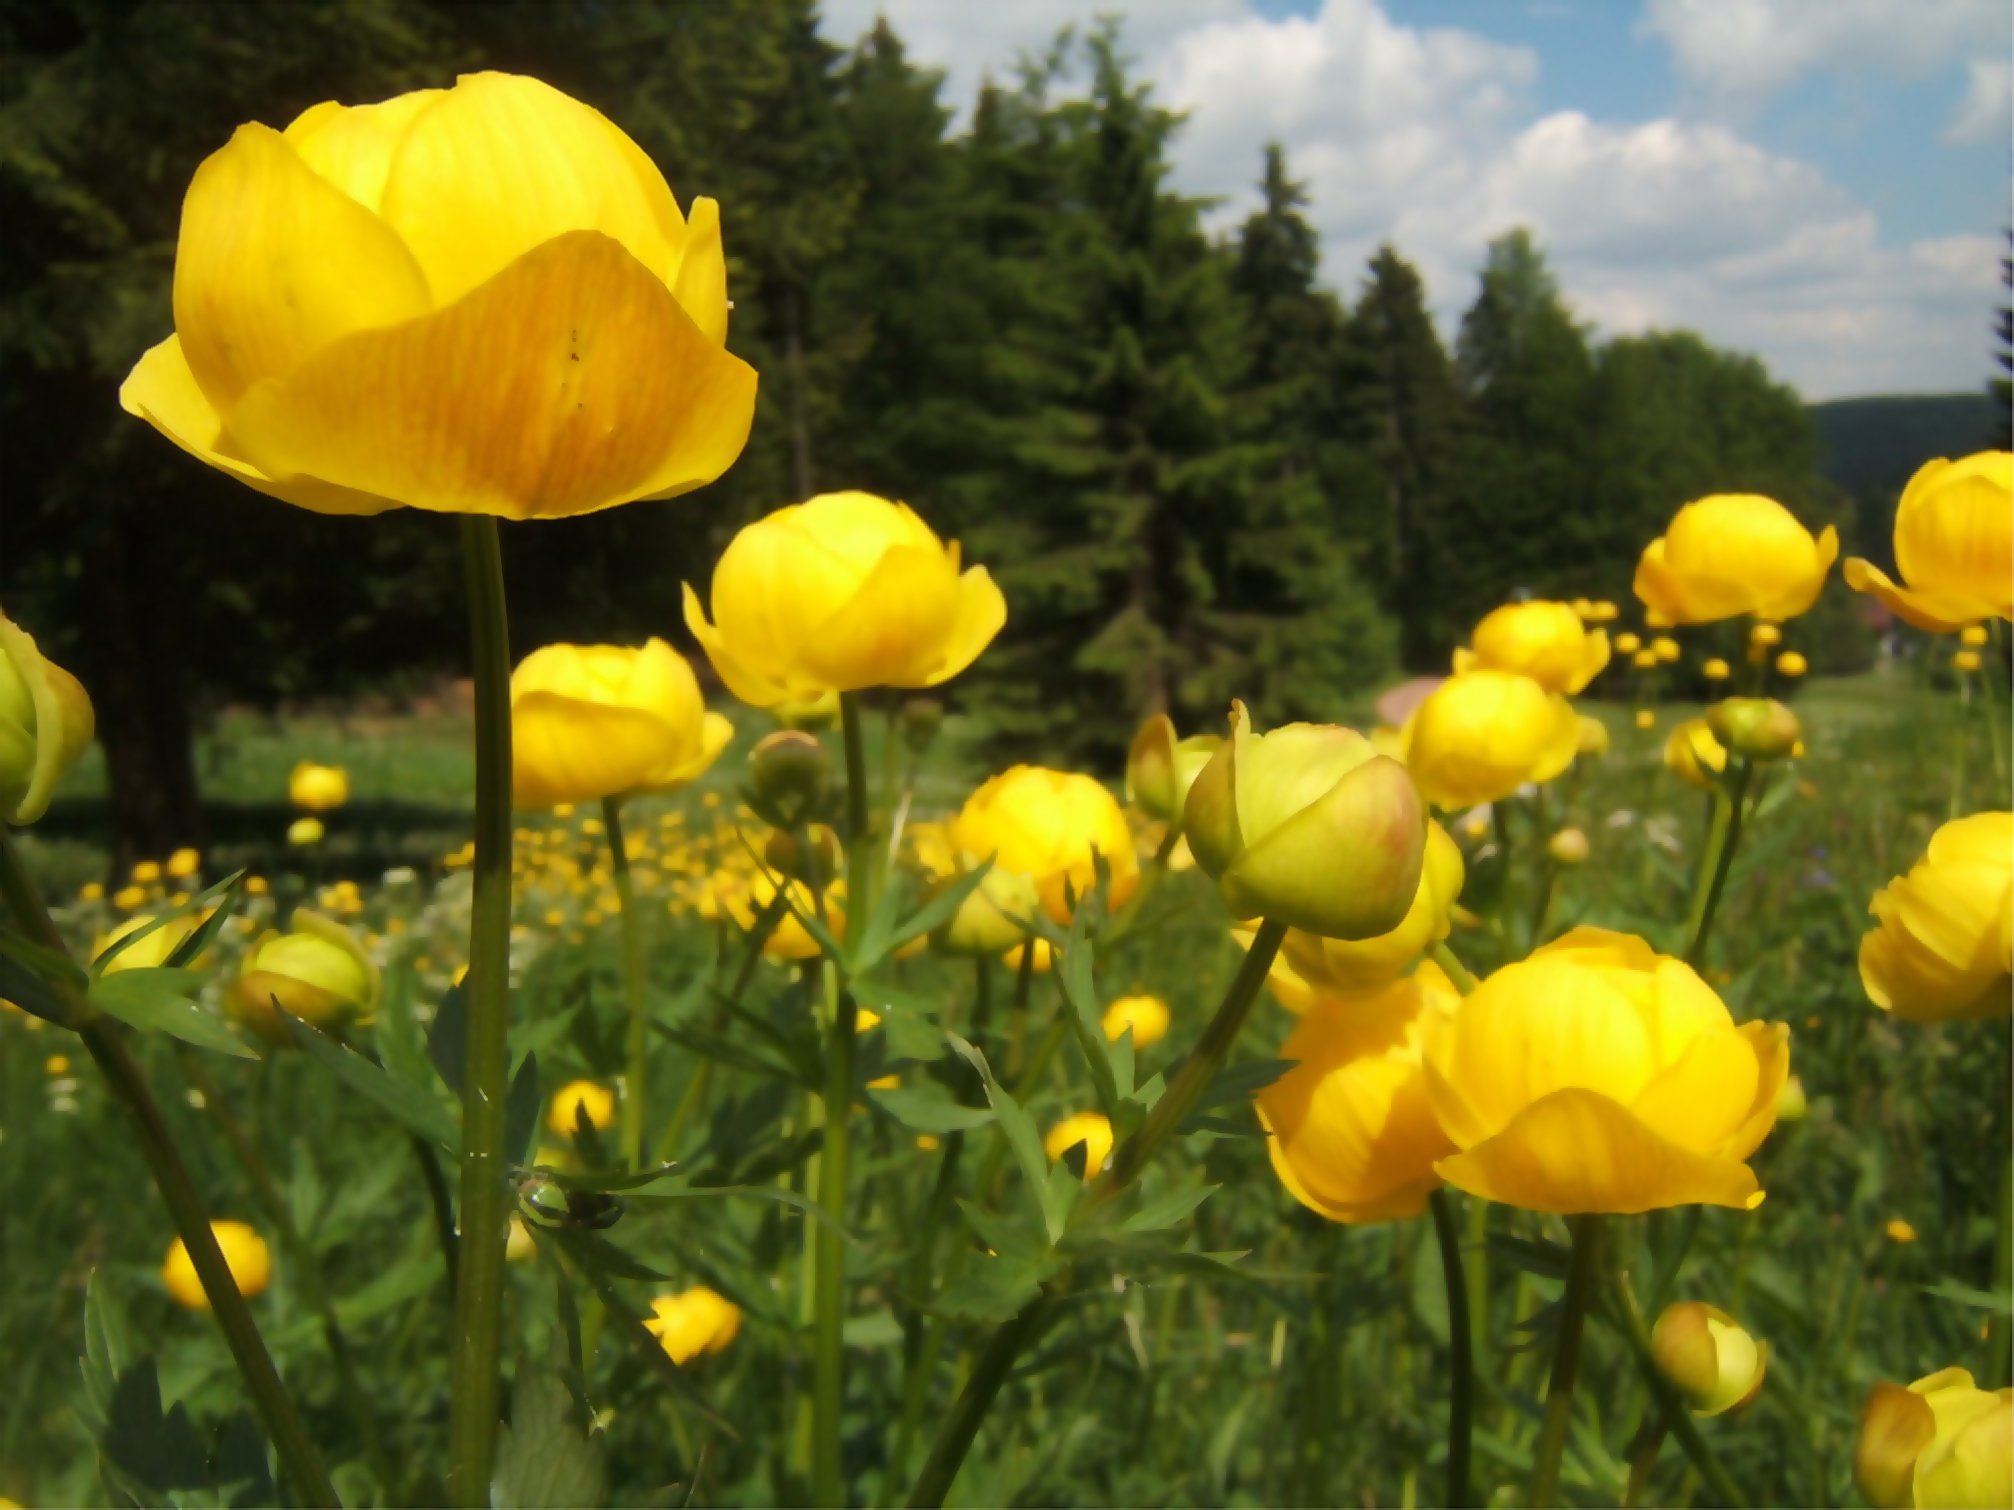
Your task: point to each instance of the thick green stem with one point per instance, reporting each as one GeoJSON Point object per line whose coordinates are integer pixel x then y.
{"type": "Point", "coordinates": [472, 1406]}
{"type": "Point", "coordinates": [1565, 1359]}
{"type": "Point", "coordinates": [1676, 1416]}
{"type": "Point", "coordinates": [636, 1055]}
{"type": "Point", "coordinates": [1461, 1363]}
{"type": "Point", "coordinates": [1723, 834]}
{"type": "Point", "coordinates": [1457, 972]}
{"type": "Point", "coordinates": [947, 1453]}
{"type": "Point", "coordinates": [106, 1044]}
{"type": "Point", "coordinates": [1644, 1459]}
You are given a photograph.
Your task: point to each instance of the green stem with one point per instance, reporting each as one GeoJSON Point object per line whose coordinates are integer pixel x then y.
{"type": "Point", "coordinates": [1997, 1360]}
{"type": "Point", "coordinates": [1461, 1385]}
{"type": "Point", "coordinates": [472, 1406]}
{"type": "Point", "coordinates": [1723, 834]}
{"type": "Point", "coordinates": [1565, 1359]}
{"type": "Point", "coordinates": [1959, 742]}
{"type": "Point", "coordinates": [693, 1098]}
{"type": "Point", "coordinates": [106, 1044]}
{"type": "Point", "coordinates": [1456, 971]}
{"type": "Point", "coordinates": [439, 1199]}
{"type": "Point", "coordinates": [634, 990]}
{"type": "Point", "coordinates": [1676, 1416]}
{"type": "Point", "coordinates": [947, 1453]}
{"type": "Point", "coordinates": [1644, 1459]}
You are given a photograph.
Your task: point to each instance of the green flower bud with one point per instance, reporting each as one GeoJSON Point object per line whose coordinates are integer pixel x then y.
{"type": "Point", "coordinates": [318, 973]}
{"type": "Point", "coordinates": [45, 723]}
{"type": "Point", "coordinates": [782, 853]}
{"type": "Point", "coordinates": [788, 774]}
{"type": "Point", "coordinates": [1759, 727]}
{"type": "Point", "coordinates": [1160, 768]}
{"type": "Point", "coordinates": [920, 719]}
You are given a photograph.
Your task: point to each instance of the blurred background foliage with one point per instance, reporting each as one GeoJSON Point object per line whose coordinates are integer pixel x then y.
{"type": "Point", "coordinates": [1195, 468]}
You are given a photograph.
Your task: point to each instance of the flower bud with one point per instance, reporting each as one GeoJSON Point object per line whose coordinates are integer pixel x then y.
{"type": "Point", "coordinates": [1765, 634]}
{"type": "Point", "coordinates": [1759, 728]}
{"type": "Point", "coordinates": [1627, 643]}
{"type": "Point", "coordinates": [1160, 768]}
{"type": "Point", "coordinates": [820, 712]}
{"type": "Point", "coordinates": [1941, 1441]}
{"type": "Point", "coordinates": [1709, 1357]}
{"type": "Point", "coordinates": [1645, 719]}
{"type": "Point", "coordinates": [819, 860]}
{"type": "Point", "coordinates": [920, 719]}
{"type": "Point", "coordinates": [318, 788]}
{"type": "Point", "coordinates": [45, 723]}
{"type": "Point", "coordinates": [788, 773]}
{"type": "Point", "coordinates": [1644, 659]}
{"type": "Point", "coordinates": [1693, 754]}
{"type": "Point", "coordinates": [1568, 847]}
{"type": "Point", "coordinates": [1308, 826]}
{"type": "Point", "coordinates": [1665, 648]}
{"type": "Point", "coordinates": [1593, 735]}
{"type": "Point", "coordinates": [1791, 1103]}
{"type": "Point", "coordinates": [318, 972]}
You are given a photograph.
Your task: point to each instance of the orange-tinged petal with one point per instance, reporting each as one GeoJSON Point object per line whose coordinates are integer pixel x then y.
{"type": "Point", "coordinates": [891, 632]}
{"type": "Point", "coordinates": [1577, 1151]}
{"type": "Point", "coordinates": [352, 145]}
{"type": "Point", "coordinates": [569, 383]}
{"type": "Point", "coordinates": [502, 164]}
{"type": "Point", "coordinates": [274, 262]}
{"type": "Point", "coordinates": [162, 391]}
{"type": "Point", "coordinates": [700, 284]}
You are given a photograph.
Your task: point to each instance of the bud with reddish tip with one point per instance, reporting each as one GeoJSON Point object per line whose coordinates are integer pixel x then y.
{"type": "Point", "coordinates": [1941, 1441]}
{"type": "Point", "coordinates": [1308, 826]}
{"type": "Point", "coordinates": [1760, 728]}
{"type": "Point", "coordinates": [816, 861]}
{"type": "Point", "coordinates": [788, 773]}
{"type": "Point", "coordinates": [1706, 1353]}
{"type": "Point", "coordinates": [1160, 768]}
{"type": "Point", "coordinates": [318, 972]}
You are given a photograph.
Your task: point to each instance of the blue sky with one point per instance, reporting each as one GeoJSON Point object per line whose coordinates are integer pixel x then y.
{"type": "Point", "coordinates": [1821, 182]}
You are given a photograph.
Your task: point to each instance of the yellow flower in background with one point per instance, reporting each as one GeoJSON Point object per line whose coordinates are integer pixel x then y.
{"type": "Point", "coordinates": [128, 898]}
{"type": "Point", "coordinates": [1899, 1231]}
{"type": "Point", "coordinates": [1311, 969]}
{"type": "Point", "coordinates": [1714, 669]}
{"type": "Point", "coordinates": [1568, 847]}
{"type": "Point", "coordinates": [1645, 719]}
{"type": "Point", "coordinates": [145, 953]}
{"type": "Point", "coordinates": [1954, 545]}
{"type": "Point", "coordinates": [318, 788]}
{"type": "Point", "coordinates": [1599, 1076]}
{"type": "Point", "coordinates": [1601, 611]}
{"type": "Point", "coordinates": [1547, 642]}
{"type": "Point", "coordinates": [1040, 962]}
{"type": "Point", "coordinates": [579, 1098]}
{"type": "Point", "coordinates": [184, 863]}
{"type": "Point", "coordinates": [1942, 948]}
{"type": "Point", "coordinates": [1665, 649]}
{"type": "Point", "coordinates": [995, 915]}
{"type": "Point", "coordinates": [305, 833]}
{"type": "Point", "coordinates": [1692, 754]}
{"type": "Point", "coordinates": [839, 593]}
{"type": "Point", "coordinates": [478, 300]}
{"type": "Point", "coordinates": [317, 972]}
{"type": "Point", "coordinates": [1146, 1017]}
{"type": "Point", "coordinates": [519, 1246]}
{"type": "Point", "coordinates": [1709, 1356]}
{"type": "Point", "coordinates": [245, 1255]}
{"type": "Point", "coordinates": [146, 872]}
{"type": "Point", "coordinates": [745, 897]}
{"type": "Point", "coordinates": [1350, 1127]}
{"type": "Point", "coordinates": [593, 721]}
{"type": "Point", "coordinates": [1480, 736]}
{"type": "Point", "coordinates": [1730, 554]}
{"type": "Point", "coordinates": [694, 1322]}
{"type": "Point", "coordinates": [1764, 636]}
{"type": "Point", "coordinates": [1972, 636]}
{"type": "Point", "coordinates": [1593, 739]}
{"type": "Point", "coordinates": [1309, 826]}
{"type": "Point", "coordinates": [1645, 659]}
{"type": "Point", "coordinates": [1088, 1128]}
{"type": "Point", "coordinates": [45, 722]}
{"type": "Point", "coordinates": [1965, 660]}
{"type": "Point", "coordinates": [1791, 664]}
{"type": "Point", "coordinates": [1054, 827]}
{"type": "Point", "coordinates": [1160, 768]}
{"type": "Point", "coordinates": [1628, 643]}
{"type": "Point", "coordinates": [1943, 1441]}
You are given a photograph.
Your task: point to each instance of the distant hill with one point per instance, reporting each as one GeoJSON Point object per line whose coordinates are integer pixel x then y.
{"type": "Point", "coordinates": [1869, 446]}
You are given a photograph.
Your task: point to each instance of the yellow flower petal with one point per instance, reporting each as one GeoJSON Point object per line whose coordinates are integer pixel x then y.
{"type": "Point", "coordinates": [352, 145]}
{"type": "Point", "coordinates": [274, 263]}
{"type": "Point", "coordinates": [742, 679]}
{"type": "Point", "coordinates": [700, 283]}
{"type": "Point", "coordinates": [889, 633]}
{"type": "Point", "coordinates": [1926, 609]}
{"type": "Point", "coordinates": [1706, 1094]}
{"type": "Point", "coordinates": [982, 614]}
{"type": "Point", "coordinates": [566, 749]}
{"type": "Point", "coordinates": [569, 383]}
{"type": "Point", "coordinates": [1577, 1151]}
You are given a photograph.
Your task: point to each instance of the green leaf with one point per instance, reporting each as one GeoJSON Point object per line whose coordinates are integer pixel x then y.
{"type": "Point", "coordinates": [1167, 1209]}
{"type": "Point", "coordinates": [447, 1039]}
{"type": "Point", "coordinates": [545, 1457]}
{"type": "Point", "coordinates": [1236, 1084]}
{"type": "Point", "coordinates": [1022, 1139]}
{"type": "Point", "coordinates": [161, 919]}
{"type": "Point", "coordinates": [28, 990]}
{"type": "Point", "coordinates": [156, 999]}
{"type": "Point", "coordinates": [521, 1111]}
{"type": "Point", "coordinates": [875, 1329]}
{"type": "Point", "coordinates": [241, 1460]}
{"type": "Point", "coordinates": [993, 1288]}
{"type": "Point", "coordinates": [1080, 993]}
{"type": "Point", "coordinates": [881, 941]}
{"type": "Point", "coordinates": [47, 964]}
{"type": "Point", "coordinates": [2000, 1301]}
{"type": "Point", "coordinates": [160, 1450]}
{"type": "Point", "coordinates": [416, 1110]}
{"type": "Point", "coordinates": [930, 1111]}
{"type": "Point", "coordinates": [108, 1343]}
{"type": "Point", "coordinates": [229, 895]}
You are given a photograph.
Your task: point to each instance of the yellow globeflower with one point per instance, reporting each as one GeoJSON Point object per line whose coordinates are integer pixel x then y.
{"type": "Point", "coordinates": [1547, 642]}
{"type": "Point", "coordinates": [1954, 545]}
{"type": "Point", "coordinates": [1708, 1355]}
{"type": "Point", "coordinates": [1729, 554]}
{"type": "Point", "coordinates": [305, 833]}
{"type": "Point", "coordinates": [184, 863]}
{"type": "Point", "coordinates": [1942, 1441]}
{"type": "Point", "coordinates": [1568, 847]}
{"type": "Point", "coordinates": [1480, 736]}
{"type": "Point", "coordinates": [1160, 768]}
{"type": "Point", "coordinates": [154, 949]}
{"type": "Point", "coordinates": [1942, 949]}
{"type": "Point", "coordinates": [1309, 826]}
{"type": "Point", "coordinates": [1597, 1075]}
{"type": "Point", "coordinates": [1054, 827]}
{"type": "Point", "coordinates": [1628, 643]}
{"type": "Point", "coordinates": [1965, 660]}
{"type": "Point", "coordinates": [1645, 659]}
{"type": "Point", "coordinates": [1645, 719]}
{"type": "Point", "coordinates": [1972, 636]}
{"type": "Point", "coordinates": [1146, 1017]}
{"type": "Point", "coordinates": [1088, 1128]}
{"type": "Point", "coordinates": [318, 972]}
{"type": "Point", "coordinates": [1311, 969]}
{"type": "Point", "coordinates": [593, 721]}
{"type": "Point", "coordinates": [1665, 649]}
{"type": "Point", "coordinates": [843, 592]}
{"type": "Point", "coordinates": [1714, 669]}
{"type": "Point", "coordinates": [693, 1322]}
{"type": "Point", "coordinates": [245, 1255]}
{"type": "Point", "coordinates": [745, 898]}
{"type": "Point", "coordinates": [1593, 736]}
{"type": "Point", "coordinates": [45, 723]}
{"type": "Point", "coordinates": [1791, 664]}
{"type": "Point", "coordinates": [1693, 754]}
{"type": "Point", "coordinates": [1352, 1133]}
{"type": "Point", "coordinates": [578, 1098]}
{"type": "Point", "coordinates": [473, 300]}
{"type": "Point", "coordinates": [318, 788]}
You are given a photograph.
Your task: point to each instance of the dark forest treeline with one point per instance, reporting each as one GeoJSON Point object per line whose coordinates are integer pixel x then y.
{"type": "Point", "coordinates": [1195, 469]}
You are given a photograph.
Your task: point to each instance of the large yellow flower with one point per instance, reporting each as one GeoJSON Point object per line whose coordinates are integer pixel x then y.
{"type": "Point", "coordinates": [1598, 1075]}
{"type": "Point", "coordinates": [1352, 1132]}
{"type": "Point", "coordinates": [45, 723]}
{"type": "Point", "coordinates": [1547, 642]}
{"type": "Point", "coordinates": [1310, 970]}
{"type": "Point", "coordinates": [478, 300]}
{"type": "Point", "coordinates": [1943, 948]}
{"type": "Point", "coordinates": [1729, 554]}
{"type": "Point", "coordinates": [1481, 735]}
{"type": "Point", "coordinates": [592, 721]}
{"type": "Point", "coordinates": [843, 592]}
{"type": "Point", "coordinates": [1054, 827]}
{"type": "Point", "coordinates": [1954, 545]}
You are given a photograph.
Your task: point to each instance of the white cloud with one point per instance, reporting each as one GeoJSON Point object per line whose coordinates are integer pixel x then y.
{"type": "Point", "coordinates": [1430, 138]}
{"type": "Point", "coordinates": [1983, 114]}
{"type": "Point", "coordinates": [1745, 49]}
